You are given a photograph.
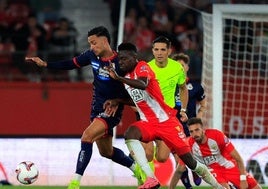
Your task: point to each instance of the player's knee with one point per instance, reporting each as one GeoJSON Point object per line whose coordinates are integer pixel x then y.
{"type": "Point", "coordinates": [162, 157]}
{"type": "Point", "coordinates": [189, 160]}
{"type": "Point", "coordinates": [87, 138]}
{"type": "Point", "coordinates": [150, 157]}
{"type": "Point", "coordinates": [180, 168]}
{"type": "Point", "coordinates": [132, 133]}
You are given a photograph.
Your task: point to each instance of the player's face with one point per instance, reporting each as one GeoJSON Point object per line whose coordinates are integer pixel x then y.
{"type": "Point", "coordinates": [127, 61]}
{"type": "Point", "coordinates": [161, 52]}
{"type": "Point", "coordinates": [197, 132]}
{"type": "Point", "coordinates": [97, 44]}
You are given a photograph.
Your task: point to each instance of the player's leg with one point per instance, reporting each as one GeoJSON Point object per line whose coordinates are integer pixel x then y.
{"type": "Point", "coordinates": [107, 150]}
{"type": "Point", "coordinates": [185, 175]}
{"type": "Point", "coordinates": [133, 135]}
{"type": "Point", "coordinates": [200, 169]}
{"type": "Point", "coordinates": [180, 169]}
{"type": "Point", "coordinates": [150, 154]}
{"type": "Point", "coordinates": [94, 131]}
{"type": "Point", "coordinates": [149, 151]}
{"type": "Point", "coordinates": [162, 151]}
{"type": "Point", "coordinates": [118, 156]}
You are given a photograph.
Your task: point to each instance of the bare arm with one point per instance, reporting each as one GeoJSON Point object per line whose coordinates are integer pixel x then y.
{"type": "Point", "coordinates": [184, 101]}
{"type": "Point", "coordinates": [111, 106]}
{"type": "Point", "coordinates": [202, 108]}
{"type": "Point", "coordinates": [241, 167]}
{"type": "Point", "coordinates": [140, 83]}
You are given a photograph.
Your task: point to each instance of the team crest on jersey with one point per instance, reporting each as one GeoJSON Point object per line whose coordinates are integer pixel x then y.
{"type": "Point", "coordinates": [214, 147]}
{"type": "Point", "coordinates": [178, 128]}
{"type": "Point", "coordinates": [103, 74]}
{"type": "Point", "coordinates": [172, 83]}
{"type": "Point", "coordinates": [143, 68]}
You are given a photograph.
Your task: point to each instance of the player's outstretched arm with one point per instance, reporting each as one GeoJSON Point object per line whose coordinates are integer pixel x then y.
{"type": "Point", "coordinates": [37, 61]}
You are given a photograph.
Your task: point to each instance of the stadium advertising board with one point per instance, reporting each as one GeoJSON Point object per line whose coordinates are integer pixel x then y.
{"type": "Point", "coordinates": [56, 159]}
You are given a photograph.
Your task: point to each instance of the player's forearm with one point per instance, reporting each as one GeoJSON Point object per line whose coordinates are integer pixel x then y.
{"type": "Point", "coordinates": [135, 83]}
{"type": "Point", "coordinates": [184, 96]}
{"type": "Point", "coordinates": [239, 161]}
{"type": "Point", "coordinates": [125, 101]}
{"type": "Point", "coordinates": [202, 108]}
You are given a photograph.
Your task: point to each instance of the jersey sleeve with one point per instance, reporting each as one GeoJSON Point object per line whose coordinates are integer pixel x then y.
{"type": "Point", "coordinates": [224, 142]}
{"type": "Point", "coordinates": [182, 75]}
{"type": "Point", "coordinates": [81, 60]}
{"type": "Point", "coordinates": [143, 70]}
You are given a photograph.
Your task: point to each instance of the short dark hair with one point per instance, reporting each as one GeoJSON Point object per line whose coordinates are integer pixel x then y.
{"type": "Point", "coordinates": [162, 39]}
{"type": "Point", "coordinates": [194, 120]}
{"type": "Point", "coordinates": [100, 31]}
{"type": "Point", "coordinates": [127, 47]}
{"type": "Point", "coordinates": [181, 56]}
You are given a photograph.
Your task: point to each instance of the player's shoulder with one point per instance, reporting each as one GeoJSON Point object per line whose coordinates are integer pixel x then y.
{"type": "Point", "coordinates": [213, 133]}
{"type": "Point", "coordinates": [151, 63]}
{"type": "Point", "coordinates": [142, 65]}
{"type": "Point", "coordinates": [173, 64]}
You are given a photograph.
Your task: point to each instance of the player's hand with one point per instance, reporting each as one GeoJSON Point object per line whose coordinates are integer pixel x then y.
{"type": "Point", "coordinates": [110, 107]}
{"type": "Point", "coordinates": [112, 72]}
{"type": "Point", "coordinates": [184, 116]}
{"type": "Point", "coordinates": [36, 60]}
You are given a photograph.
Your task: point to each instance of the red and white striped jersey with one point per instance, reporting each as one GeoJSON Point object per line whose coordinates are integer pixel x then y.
{"type": "Point", "coordinates": [149, 102]}
{"type": "Point", "coordinates": [215, 152]}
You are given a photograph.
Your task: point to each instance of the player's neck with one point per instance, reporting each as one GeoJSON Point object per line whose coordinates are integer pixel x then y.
{"type": "Point", "coordinates": [161, 64]}
{"type": "Point", "coordinates": [108, 54]}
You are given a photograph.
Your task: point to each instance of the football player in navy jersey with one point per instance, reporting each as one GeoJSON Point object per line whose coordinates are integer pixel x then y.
{"type": "Point", "coordinates": [196, 99]}
{"type": "Point", "coordinates": [100, 130]}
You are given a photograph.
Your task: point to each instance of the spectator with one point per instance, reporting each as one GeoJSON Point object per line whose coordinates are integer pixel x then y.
{"type": "Point", "coordinates": [47, 10]}
{"type": "Point", "coordinates": [144, 36]}
{"type": "Point", "coordinates": [28, 38]}
{"type": "Point", "coordinates": [162, 18]}
{"type": "Point", "coordinates": [63, 44]}
{"type": "Point", "coordinates": [130, 24]}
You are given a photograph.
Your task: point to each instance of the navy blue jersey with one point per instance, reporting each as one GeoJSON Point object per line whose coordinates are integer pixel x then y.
{"type": "Point", "coordinates": [196, 93]}
{"type": "Point", "coordinates": [104, 87]}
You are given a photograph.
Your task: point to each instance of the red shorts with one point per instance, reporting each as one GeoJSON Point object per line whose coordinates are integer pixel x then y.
{"type": "Point", "coordinates": [233, 176]}
{"type": "Point", "coordinates": [170, 131]}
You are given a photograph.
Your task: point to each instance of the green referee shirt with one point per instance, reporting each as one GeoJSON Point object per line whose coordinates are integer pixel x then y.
{"type": "Point", "coordinates": [169, 77]}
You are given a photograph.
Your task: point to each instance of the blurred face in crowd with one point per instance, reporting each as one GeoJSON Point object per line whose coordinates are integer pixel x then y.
{"type": "Point", "coordinates": [197, 132]}
{"type": "Point", "coordinates": [98, 44]}
{"type": "Point", "coordinates": [161, 53]}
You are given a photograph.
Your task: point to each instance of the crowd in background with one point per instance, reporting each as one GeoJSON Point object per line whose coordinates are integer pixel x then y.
{"type": "Point", "coordinates": [36, 28]}
{"type": "Point", "coordinates": [33, 28]}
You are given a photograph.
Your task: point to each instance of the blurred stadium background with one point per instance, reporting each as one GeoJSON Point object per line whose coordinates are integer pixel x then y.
{"type": "Point", "coordinates": [42, 118]}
